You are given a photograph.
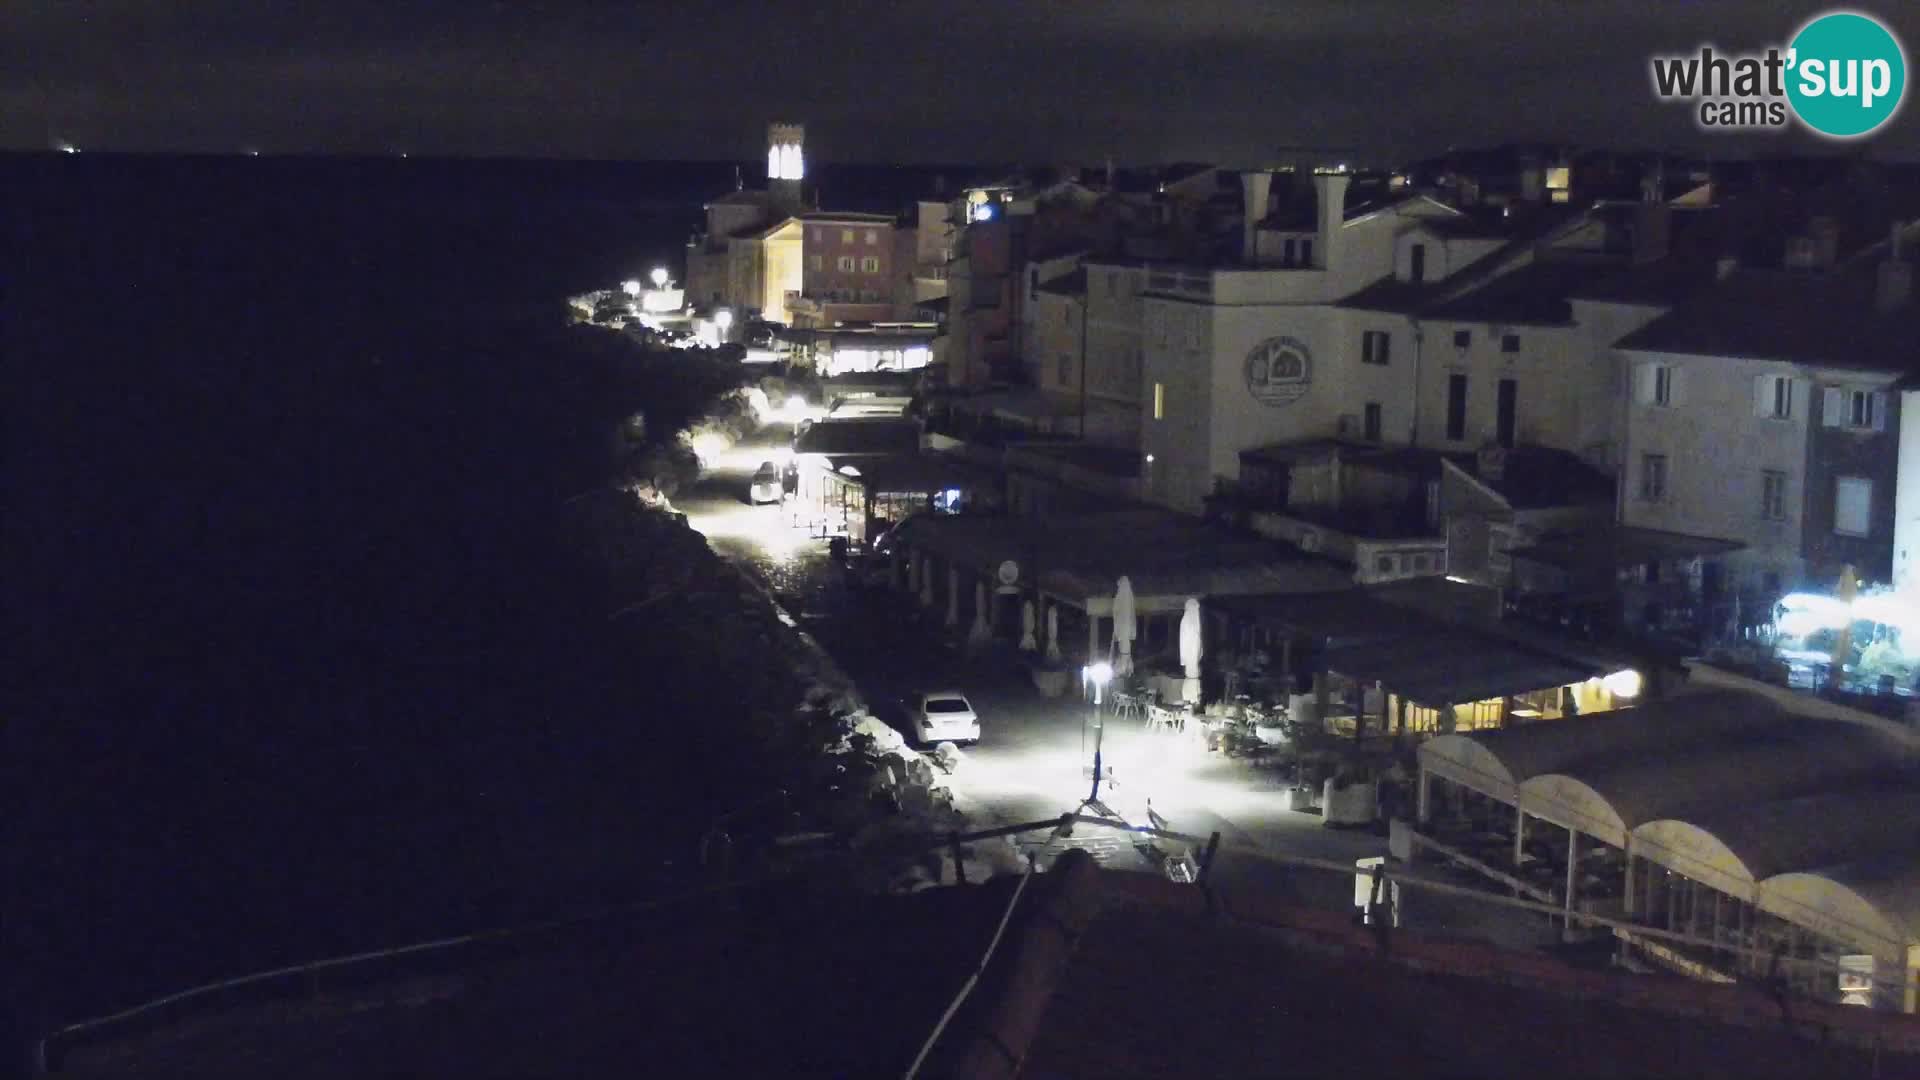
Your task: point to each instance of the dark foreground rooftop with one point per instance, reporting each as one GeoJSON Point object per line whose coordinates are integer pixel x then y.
{"type": "Point", "coordinates": [1100, 974]}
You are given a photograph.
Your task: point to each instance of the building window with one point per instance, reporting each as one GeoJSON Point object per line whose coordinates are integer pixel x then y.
{"type": "Point", "coordinates": [1666, 386]}
{"type": "Point", "coordinates": [1159, 401]}
{"type": "Point", "coordinates": [1861, 410]}
{"type": "Point", "coordinates": [1374, 345]}
{"type": "Point", "coordinates": [1773, 397]}
{"type": "Point", "coordinates": [870, 264]}
{"type": "Point", "coordinates": [816, 262]}
{"type": "Point", "coordinates": [846, 236]}
{"type": "Point", "coordinates": [1286, 252]}
{"type": "Point", "coordinates": [1853, 506]}
{"type": "Point", "coordinates": [845, 263]}
{"type": "Point", "coordinates": [1113, 284]}
{"type": "Point", "coordinates": [1510, 343]}
{"type": "Point", "coordinates": [1417, 264]}
{"type": "Point", "coordinates": [1372, 421]}
{"type": "Point", "coordinates": [1066, 368]}
{"type": "Point", "coordinates": [1773, 494]}
{"type": "Point", "coordinates": [1462, 339]}
{"type": "Point", "coordinates": [819, 235]}
{"type": "Point", "coordinates": [1456, 407]}
{"type": "Point", "coordinates": [873, 237]}
{"type": "Point", "coordinates": [1653, 477]}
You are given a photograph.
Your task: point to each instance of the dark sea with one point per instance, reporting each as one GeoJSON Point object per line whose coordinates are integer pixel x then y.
{"type": "Point", "coordinates": [281, 445]}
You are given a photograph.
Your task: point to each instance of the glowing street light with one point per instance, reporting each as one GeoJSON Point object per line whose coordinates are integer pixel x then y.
{"type": "Point", "coordinates": [723, 319]}
{"type": "Point", "coordinates": [659, 277]}
{"type": "Point", "coordinates": [1098, 675]}
{"type": "Point", "coordinates": [630, 287]}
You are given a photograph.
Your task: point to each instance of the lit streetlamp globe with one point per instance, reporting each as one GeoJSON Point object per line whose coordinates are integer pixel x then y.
{"type": "Point", "coordinates": [659, 277]}
{"type": "Point", "coordinates": [631, 288]}
{"type": "Point", "coordinates": [723, 319]}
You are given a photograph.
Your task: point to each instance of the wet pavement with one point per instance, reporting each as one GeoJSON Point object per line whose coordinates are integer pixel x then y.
{"type": "Point", "coordinates": [1034, 760]}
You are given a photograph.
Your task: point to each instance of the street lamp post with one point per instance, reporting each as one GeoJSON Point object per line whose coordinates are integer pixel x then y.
{"type": "Point", "coordinates": [659, 277]}
{"type": "Point", "coordinates": [1097, 675]}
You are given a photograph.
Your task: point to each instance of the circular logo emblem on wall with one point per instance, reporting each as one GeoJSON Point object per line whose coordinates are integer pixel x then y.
{"type": "Point", "coordinates": [1279, 371]}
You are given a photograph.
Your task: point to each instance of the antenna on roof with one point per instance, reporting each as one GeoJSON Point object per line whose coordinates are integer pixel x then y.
{"type": "Point", "coordinates": [739, 184]}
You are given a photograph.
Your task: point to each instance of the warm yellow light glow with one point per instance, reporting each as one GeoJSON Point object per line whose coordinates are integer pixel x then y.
{"type": "Point", "coordinates": [1624, 684]}
{"type": "Point", "coordinates": [1159, 401]}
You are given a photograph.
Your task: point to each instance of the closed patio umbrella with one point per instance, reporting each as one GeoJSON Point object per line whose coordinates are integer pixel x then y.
{"type": "Point", "coordinates": [1027, 640]}
{"type": "Point", "coordinates": [1053, 633]}
{"type": "Point", "coordinates": [1190, 651]}
{"type": "Point", "coordinates": [982, 630]}
{"type": "Point", "coordinates": [1123, 627]}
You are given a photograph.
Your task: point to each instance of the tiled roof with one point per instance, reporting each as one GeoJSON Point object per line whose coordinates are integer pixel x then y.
{"type": "Point", "coordinates": [1074, 284]}
{"type": "Point", "coordinates": [1535, 477]}
{"type": "Point", "coordinates": [836, 438]}
{"type": "Point", "coordinates": [1828, 319]}
{"type": "Point", "coordinates": [1535, 294]}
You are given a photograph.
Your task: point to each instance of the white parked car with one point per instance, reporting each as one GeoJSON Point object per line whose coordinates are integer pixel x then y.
{"type": "Point", "coordinates": [767, 487]}
{"type": "Point", "coordinates": [944, 716]}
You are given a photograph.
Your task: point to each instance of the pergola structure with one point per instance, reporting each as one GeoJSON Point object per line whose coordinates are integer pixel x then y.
{"type": "Point", "coordinates": [1073, 562]}
{"type": "Point", "coordinates": [1716, 815]}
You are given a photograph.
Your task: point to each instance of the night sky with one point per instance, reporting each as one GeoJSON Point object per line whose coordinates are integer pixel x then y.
{"type": "Point", "coordinates": [875, 80]}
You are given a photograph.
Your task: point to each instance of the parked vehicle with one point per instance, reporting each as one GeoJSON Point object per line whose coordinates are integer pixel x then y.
{"type": "Point", "coordinates": [944, 716]}
{"type": "Point", "coordinates": [766, 486]}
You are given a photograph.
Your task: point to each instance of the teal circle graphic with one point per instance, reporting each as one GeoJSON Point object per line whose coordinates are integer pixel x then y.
{"type": "Point", "coordinates": [1848, 77]}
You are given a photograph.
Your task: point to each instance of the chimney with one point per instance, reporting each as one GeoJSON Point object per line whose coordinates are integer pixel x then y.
{"type": "Point", "coordinates": [1894, 286]}
{"type": "Point", "coordinates": [1255, 185]}
{"type": "Point", "coordinates": [1330, 195]}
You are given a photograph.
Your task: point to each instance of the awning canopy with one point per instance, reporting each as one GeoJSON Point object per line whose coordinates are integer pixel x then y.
{"type": "Point", "coordinates": [1497, 762]}
{"type": "Point", "coordinates": [1733, 847]}
{"type": "Point", "coordinates": [1620, 545]}
{"type": "Point", "coordinates": [1079, 557]}
{"type": "Point", "coordinates": [1611, 794]}
{"type": "Point", "coordinates": [1874, 903]}
{"type": "Point", "coordinates": [1442, 665]}
{"type": "Point", "coordinates": [918, 474]}
{"type": "Point", "coordinates": [1350, 616]}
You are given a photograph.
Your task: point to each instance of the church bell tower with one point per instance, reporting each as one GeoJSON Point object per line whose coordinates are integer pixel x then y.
{"type": "Point", "coordinates": [786, 165]}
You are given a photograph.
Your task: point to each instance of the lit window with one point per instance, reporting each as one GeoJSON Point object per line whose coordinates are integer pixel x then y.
{"type": "Point", "coordinates": [845, 263]}
{"type": "Point", "coordinates": [1159, 401]}
{"type": "Point", "coordinates": [846, 236]}
{"type": "Point", "coordinates": [872, 237]}
{"type": "Point", "coordinates": [1653, 477]}
{"type": "Point", "coordinates": [1773, 494]}
{"type": "Point", "coordinates": [1558, 179]}
{"type": "Point", "coordinates": [1853, 506]}
{"type": "Point", "coordinates": [870, 265]}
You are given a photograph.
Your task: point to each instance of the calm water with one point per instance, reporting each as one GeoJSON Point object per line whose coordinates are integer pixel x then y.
{"type": "Point", "coordinates": [285, 599]}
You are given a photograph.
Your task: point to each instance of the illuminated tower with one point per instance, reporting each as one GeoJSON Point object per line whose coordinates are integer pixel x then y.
{"type": "Point", "coordinates": [786, 164]}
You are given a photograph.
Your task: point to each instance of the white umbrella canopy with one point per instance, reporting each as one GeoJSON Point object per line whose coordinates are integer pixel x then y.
{"type": "Point", "coordinates": [1027, 641]}
{"type": "Point", "coordinates": [1053, 633]}
{"type": "Point", "coordinates": [1190, 650]}
{"type": "Point", "coordinates": [982, 630]}
{"type": "Point", "coordinates": [1124, 626]}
